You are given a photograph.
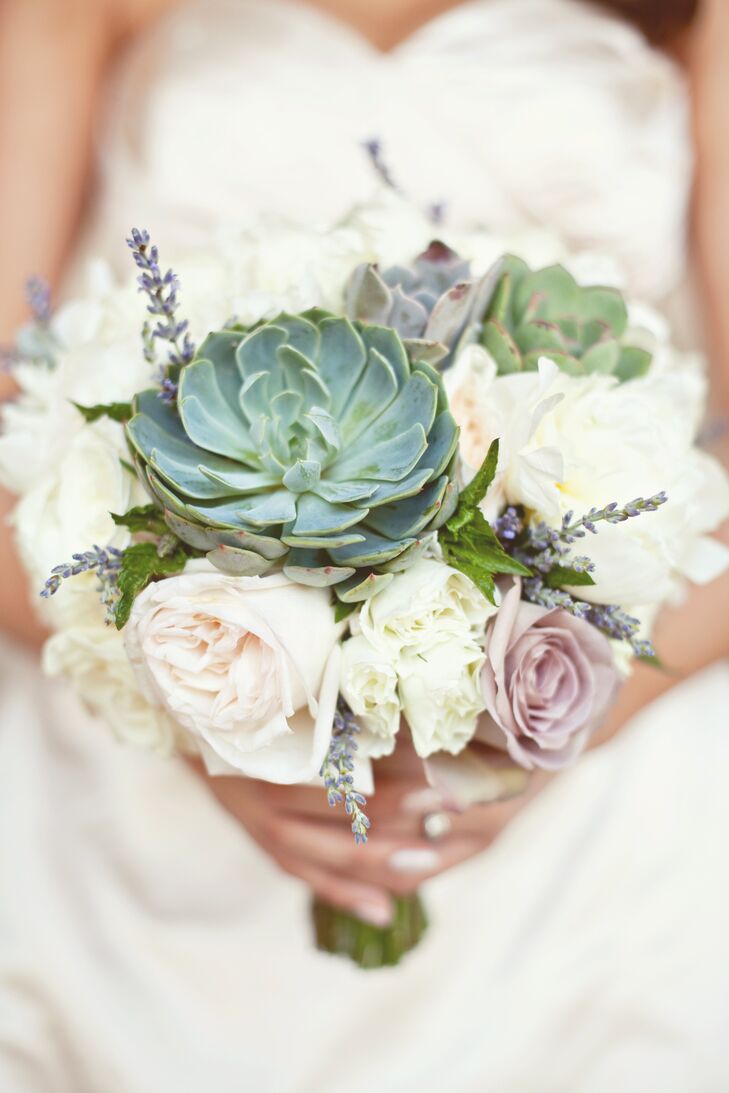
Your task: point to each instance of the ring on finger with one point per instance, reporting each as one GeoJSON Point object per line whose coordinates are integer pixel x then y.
{"type": "Point", "coordinates": [436, 825]}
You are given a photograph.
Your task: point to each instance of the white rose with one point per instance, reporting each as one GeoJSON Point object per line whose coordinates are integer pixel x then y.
{"type": "Point", "coordinates": [68, 512]}
{"type": "Point", "coordinates": [248, 665]}
{"type": "Point", "coordinates": [441, 694]}
{"type": "Point", "coordinates": [369, 685]}
{"type": "Point", "coordinates": [571, 443]}
{"type": "Point", "coordinates": [94, 660]}
{"type": "Point", "coordinates": [429, 622]}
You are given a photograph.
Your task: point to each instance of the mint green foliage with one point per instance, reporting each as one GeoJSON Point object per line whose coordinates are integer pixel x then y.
{"type": "Point", "coordinates": [560, 576]}
{"type": "Point", "coordinates": [116, 411]}
{"type": "Point", "coordinates": [545, 313]}
{"type": "Point", "coordinates": [468, 541]}
{"type": "Point", "coordinates": [310, 442]}
{"type": "Point", "coordinates": [141, 564]}
{"type": "Point", "coordinates": [143, 518]}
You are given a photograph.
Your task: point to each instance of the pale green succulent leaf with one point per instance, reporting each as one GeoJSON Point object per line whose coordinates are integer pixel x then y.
{"type": "Point", "coordinates": [415, 404]}
{"type": "Point", "coordinates": [341, 361]}
{"type": "Point", "coordinates": [339, 493]}
{"type": "Point", "coordinates": [278, 507]}
{"type": "Point", "coordinates": [286, 408]}
{"type": "Point", "coordinates": [422, 349]}
{"type": "Point", "coordinates": [542, 336]}
{"type": "Point", "coordinates": [310, 567]}
{"type": "Point", "coordinates": [368, 297]}
{"type": "Point", "coordinates": [385, 492]}
{"type": "Point", "coordinates": [255, 352]}
{"type": "Point", "coordinates": [407, 518]}
{"type": "Point", "coordinates": [388, 461]}
{"type": "Point", "coordinates": [602, 357]}
{"type": "Point", "coordinates": [497, 341]}
{"type": "Point", "coordinates": [238, 563]}
{"type": "Point", "coordinates": [324, 542]}
{"type": "Point", "coordinates": [606, 305]}
{"type": "Point", "coordinates": [442, 445]}
{"type": "Point", "coordinates": [255, 400]}
{"type": "Point", "coordinates": [239, 480]}
{"type": "Point", "coordinates": [387, 343]}
{"type": "Point", "coordinates": [449, 504]}
{"type": "Point", "coordinates": [326, 426]}
{"type": "Point", "coordinates": [359, 587]}
{"type": "Point", "coordinates": [301, 334]}
{"type": "Point", "coordinates": [411, 554]}
{"type": "Point", "coordinates": [564, 361]}
{"type": "Point", "coordinates": [375, 390]}
{"type": "Point", "coordinates": [304, 475]}
{"type": "Point", "coordinates": [499, 305]}
{"type": "Point", "coordinates": [633, 363]}
{"type": "Point", "coordinates": [209, 420]}
{"type": "Point", "coordinates": [373, 550]}
{"type": "Point", "coordinates": [315, 516]}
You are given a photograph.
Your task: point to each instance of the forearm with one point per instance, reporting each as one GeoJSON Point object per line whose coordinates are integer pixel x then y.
{"type": "Point", "coordinates": [709, 73]}
{"type": "Point", "coordinates": [52, 56]}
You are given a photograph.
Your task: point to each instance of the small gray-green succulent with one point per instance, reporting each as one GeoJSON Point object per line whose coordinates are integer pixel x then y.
{"type": "Point", "coordinates": [546, 313]}
{"type": "Point", "coordinates": [429, 303]}
{"type": "Point", "coordinates": [309, 442]}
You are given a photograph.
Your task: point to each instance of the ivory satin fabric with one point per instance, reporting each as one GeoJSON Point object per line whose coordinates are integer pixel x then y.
{"type": "Point", "coordinates": [146, 945]}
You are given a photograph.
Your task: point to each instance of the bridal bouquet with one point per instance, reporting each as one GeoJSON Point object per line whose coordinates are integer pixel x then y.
{"type": "Point", "coordinates": [376, 500]}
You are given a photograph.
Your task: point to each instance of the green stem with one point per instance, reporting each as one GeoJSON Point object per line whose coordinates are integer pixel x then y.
{"type": "Point", "coordinates": [370, 946]}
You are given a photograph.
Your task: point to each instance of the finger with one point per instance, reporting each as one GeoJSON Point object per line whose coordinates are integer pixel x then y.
{"type": "Point", "coordinates": [351, 894]}
{"type": "Point", "coordinates": [388, 861]}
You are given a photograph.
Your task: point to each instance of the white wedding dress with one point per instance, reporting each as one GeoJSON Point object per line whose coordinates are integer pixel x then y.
{"type": "Point", "coordinates": [146, 944]}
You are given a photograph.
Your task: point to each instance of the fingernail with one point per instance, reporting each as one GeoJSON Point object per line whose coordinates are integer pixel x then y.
{"type": "Point", "coordinates": [416, 860]}
{"type": "Point", "coordinates": [377, 914]}
{"type": "Point", "coordinates": [423, 800]}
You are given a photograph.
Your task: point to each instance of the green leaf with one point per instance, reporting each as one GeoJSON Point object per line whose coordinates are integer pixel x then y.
{"type": "Point", "coordinates": [142, 518]}
{"type": "Point", "coordinates": [474, 549]}
{"type": "Point", "coordinates": [468, 541]}
{"type": "Point", "coordinates": [342, 611]}
{"type": "Point", "coordinates": [117, 411]}
{"type": "Point", "coordinates": [565, 575]}
{"type": "Point", "coordinates": [140, 565]}
{"type": "Point", "coordinates": [472, 496]}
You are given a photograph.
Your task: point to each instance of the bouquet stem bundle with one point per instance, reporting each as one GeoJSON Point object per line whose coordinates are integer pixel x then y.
{"type": "Point", "coordinates": [342, 934]}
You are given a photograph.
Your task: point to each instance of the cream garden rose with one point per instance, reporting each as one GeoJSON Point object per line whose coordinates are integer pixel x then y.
{"type": "Point", "coordinates": [429, 624]}
{"type": "Point", "coordinates": [249, 666]}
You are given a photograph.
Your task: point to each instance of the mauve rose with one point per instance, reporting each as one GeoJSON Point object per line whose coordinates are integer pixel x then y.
{"type": "Point", "coordinates": [547, 682]}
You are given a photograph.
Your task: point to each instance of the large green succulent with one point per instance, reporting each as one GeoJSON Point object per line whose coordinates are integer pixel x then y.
{"type": "Point", "coordinates": [545, 313]}
{"type": "Point", "coordinates": [311, 442]}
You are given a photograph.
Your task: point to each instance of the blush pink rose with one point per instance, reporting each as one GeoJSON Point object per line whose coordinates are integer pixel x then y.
{"type": "Point", "coordinates": [548, 680]}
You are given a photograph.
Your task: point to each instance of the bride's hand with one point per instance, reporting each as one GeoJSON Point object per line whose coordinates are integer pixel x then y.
{"type": "Point", "coordinates": [312, 841]}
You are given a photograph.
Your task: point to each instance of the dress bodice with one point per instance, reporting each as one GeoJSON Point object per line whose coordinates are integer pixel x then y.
{"type": "Point", "coordinates": [512, 112]}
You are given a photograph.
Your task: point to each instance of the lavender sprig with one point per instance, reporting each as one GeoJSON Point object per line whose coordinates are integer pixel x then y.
{"type": "Point", "coordinates": [544, 549]}
{"type": "Point", "coordinates": [161, 291]}
{"type": "Point", "coordinates": [38, 295]}
{"type": "Point", "coordinates": [35, 341]}
{"type": "Point", "coordinates": [106, 563]}
{"type": "Point", "coordinates": [336, 771]}
{"type": "Point", "coordinates": [611, 514]}
{"type": "Point", "coordinates": [373, 148]}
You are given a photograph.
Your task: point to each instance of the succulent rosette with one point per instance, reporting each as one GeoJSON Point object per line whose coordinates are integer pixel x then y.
{"type": "Point", "coordinates": [546, 313]}
{"type": "Point", "coordinates": [309, 442]}
{"type": "Point", "coordinates": [430, 302]}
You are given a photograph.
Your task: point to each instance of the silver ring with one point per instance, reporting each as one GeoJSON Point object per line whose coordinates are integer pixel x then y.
{"type": "Point", "coordinates": [436, 825]}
